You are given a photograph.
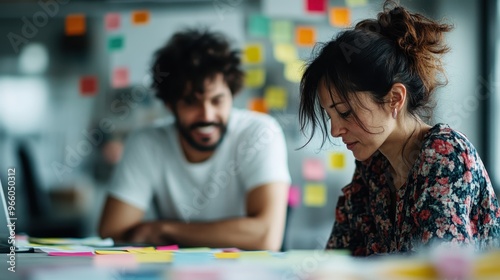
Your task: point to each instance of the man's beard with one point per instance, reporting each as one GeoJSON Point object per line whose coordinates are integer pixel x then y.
{"type": "Point", "coordinates": [185, 133]}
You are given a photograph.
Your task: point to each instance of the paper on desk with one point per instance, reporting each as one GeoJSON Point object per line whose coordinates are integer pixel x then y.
{"type": "Point", "coordinates": [66, 249]}
{"type": "Point", "coordinates": [71, 254]}
{"type": "Point", "coordinates": [89, 241]}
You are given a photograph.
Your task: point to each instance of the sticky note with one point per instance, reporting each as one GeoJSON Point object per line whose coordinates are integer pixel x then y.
{"type": "Point", "coordinates": [285, 52]}
{"type": "Point", "coordinates": [112, 21]}
{"type": "Point", "coordinates": [223, 255]}
{"type": "Point", "coordinates": [168, 248]}
{"type": "Point", "coordinates": [275, 97]}
{"type": "Point", "coordinates": [294, 196]}
{"type": "Point", "coordinates": [70, 254]}
{"type": "Point", "coordinates": [253, 54]}
{"type": "Point", "coordinates": [294, 70]}
{"type": "Point", "coordinates": [281, 31]}
{"type": "Point", "coordinates": [340, 17]}
{"type": "Point", "coordinates": [254, 254]}
{"type": "Point", "coordinates": [111, 252]}
{"type": "Point", "coordinates": [140, 17]}
{"type": "Point", "coordinates": [88, 85]}
{"type": "Point", "coordinates": [255, 77]}
{"type": "Point", "coordinates": [356, 3]}
{"type": "Point", "coordinates": [258, 105]}
{"type": "Point", "coordinates": [115, 43]}
{"type": "Point", "coordinates": [122, 261]}
{"type": "Point", "coordinates": [154, 258]}
{"type": "Point", "coordinates": [305, 36]}
{"type": "Point", "coordinates": [229, 250]}
{"type": "Point", "coordinates": [75, 25]}
{"type": "Point", "coordinates": [196, 249]}
{"type": "Point", "coordinates": [313, 169]}
{"type": "Point", "coordinates": [315, 195]}
{"type": "Point", "coordinates": [258, 26]}
{"type": "Point", "coordinates": [337, 160]}
{"type": "Point", "coordinates": [120, 78]}
{"type": "Point", "coordinates": [141, 250]}
{"type": "Point", "coordinates": [316, 6]}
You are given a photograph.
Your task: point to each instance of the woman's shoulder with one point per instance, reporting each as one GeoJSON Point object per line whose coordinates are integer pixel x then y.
{"type": "Point", "coordinates": [442, 140]}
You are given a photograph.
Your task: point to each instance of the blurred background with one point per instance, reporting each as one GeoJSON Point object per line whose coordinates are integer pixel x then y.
{"type": "Point", "coordinates": [74, 82]}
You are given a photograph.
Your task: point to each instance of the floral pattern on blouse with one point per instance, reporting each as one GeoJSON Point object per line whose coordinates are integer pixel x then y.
{"type": "Point", "coordinates": [448, 198]}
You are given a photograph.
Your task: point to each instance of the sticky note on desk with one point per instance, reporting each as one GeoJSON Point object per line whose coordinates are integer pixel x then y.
{"type": "Point", "coordinates": [315, 195]}
{"type": "Point", "coordinates": [337, 160]}
{"type": "Point", "coordinates": [71, 254]}
{"type": "Point", "coordinates": [154, 258]}
{"type": "Point", "coordinates": [75, 25]}
{"type": "Point", "coordinates": [229, 255]}
{"type": "Point", "coordinates": [275, 97]}
{"type": "Point", "coordinates": [111, 252]}
{"type": "Point", "coordinates": [142, 250]}
{"type": "Point", "coordinates": [254, 254]}
{"type": "Point", "coordinates": [340, 17]}
{"type": "Point", "coordinates": [126, 260]}
{"type": "Point", "coordinates": [168, 248]}
{"type": "Point", "coordinates": [313, 169]}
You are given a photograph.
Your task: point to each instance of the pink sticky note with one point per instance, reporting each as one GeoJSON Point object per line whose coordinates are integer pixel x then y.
{"type": "Point", "coordinates": [120, 78]}
{"type": "Point", "coordinates": [71, 254]}
{"type": "Point", "coordinates": [230, 250]}
{"type": "Point", "coordinates": [112, 21]}
{"type": "Point", "coordinates": [168, 248]}
{"type": "Point", "coordinates": [294, 196]}
{"type": "Point", "coordinates": [119, 260]}
{"type": "Point", "coordinates": [316, 6]}
{"type": "Point", "coordinates": [313, 169]}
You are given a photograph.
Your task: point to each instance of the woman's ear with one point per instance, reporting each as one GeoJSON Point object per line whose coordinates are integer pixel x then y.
{"type": "Point", "coordinates": [397, 96]}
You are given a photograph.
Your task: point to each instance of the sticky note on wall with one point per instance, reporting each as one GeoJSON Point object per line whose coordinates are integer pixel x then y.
{"type": "Point", "coordinates": [140, 17]}
{"type": "Point", "coordinates": [294, 70]}
{"type": "Point", "coordinates": [112, 21]}
{"type": "Point", "coordinates": [258, 105]}
{"type": "Point", "coordinates": [305, 36]}
{"type": "Point", "coordinates": [294, 196]}
{"type": "Point", "coordinates": [120, 77]}
{"type": "Point", "coordinates": [356, 3]}
{"type": "Point", "coordinates": [254, 78]}
{"type": "Point", "coordinates": [313, 169]}
{"type": "Point", "coordinates": [314, 195]}
{"type": "Point", "coordinates": [258, 26]}
{"type": "Point", "coordinates": [253, 54]}
{"type": "Point", "coordinates": [88, 85]}
{"type": "Point", "coordinates": [285, 52]}
{"type": "Point", "coordinates": [275, 97]}
{"type": "Point", "coordinates": [316, 6]}
{"type": "Point", "coordinates": [337, 160]}
{"type": "Point", "coordinates": [281, 31]}
{"type": "Point", "coordinates": [115, 43]}
{"type": "Point", "coordinates": [75, 25]}
{"type": "Point", "coordinates": [340, 17]}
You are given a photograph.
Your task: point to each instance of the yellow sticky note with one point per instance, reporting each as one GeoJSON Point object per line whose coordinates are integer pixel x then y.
{"type": "Point", "coordinates": [253, 54]}
{"type": "Point", "coordinates": [340, 17]}
{"type": "Point", "coordinates": [75, 25]}
{"type": "Point", "coordinates": [154, 258]}
{"type": "Point", "coordinates": [255, 77]}
{"type": "Point", "coordinates": [294, 70]}
{"type": "Point", "coordinates": [254, 254]}
{"type": "Point", "coordinates": [140, 17]}
{"type": "Point", "coordinates": [141, 250]}
{"type": "Point", "coordinates": [285, 52]}
{"type": "Point", "coordinates": [275, 97]}
{"type": "Point", "coordinates": [305, 36]}
{"type": "Point", "coordinates": [258, 105]}
{"type": "Point", "coordinates": [337, 160]}
{"type": "Point", "coordinates": [356, 3]}
{"type": "Point", "coordinates": [232, 255]}
{"type": "Point", "coordinates": [111, 252]}
{"type": "Point", "coordinates": [315, 195]}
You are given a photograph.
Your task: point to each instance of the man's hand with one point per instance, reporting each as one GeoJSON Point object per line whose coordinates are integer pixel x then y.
{"type": "Point", "coordinates": [148, 232]}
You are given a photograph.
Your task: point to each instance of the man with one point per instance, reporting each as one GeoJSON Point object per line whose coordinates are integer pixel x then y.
{"type": "Point", "coordinates": [218, 174]}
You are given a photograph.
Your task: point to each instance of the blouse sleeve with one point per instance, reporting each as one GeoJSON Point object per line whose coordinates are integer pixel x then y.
{"type": "Point", "coordinates": [456, 203]}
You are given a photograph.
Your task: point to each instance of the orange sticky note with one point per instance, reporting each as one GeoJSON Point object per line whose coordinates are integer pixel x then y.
{"type": "Point", "coordinates": [313, 169]}
{"type": "Point", "coordinates": [305, 36]}
{"type": "Point", "coordinates": [88, 85]}
{"type": "Point", "coordinates": [253, 54]}
{"type": "Point", "coordinates": [315, 195]}
{"type": "Point", "coordinates": [120, 78]}
{"type": "Point", "coordinates": [316, 6]}
{"type": "Point", "coordinates": [258, 105]}
{"type": "Point", "coordinates": [75, 25]}
{"type": "Point", "coordinates": [340, 17]}
{"type": "Point", "coordinates": [223, 255]}
{"type": "Point", "coordinates": [254, 78]}
{"type": "Point", "coordinates": [112, 21]}
{"type": "Point", "coordinates": [140, 17]}
{"type": "Point", "coordinates": [337, 160]}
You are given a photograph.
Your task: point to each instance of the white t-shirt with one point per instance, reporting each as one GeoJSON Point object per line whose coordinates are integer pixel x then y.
{"type": "Point", "coordinates": [252, 153]}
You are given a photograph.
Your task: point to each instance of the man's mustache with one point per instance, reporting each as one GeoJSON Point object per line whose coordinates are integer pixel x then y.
{"type": "Point", "coordinates": [203, 124]}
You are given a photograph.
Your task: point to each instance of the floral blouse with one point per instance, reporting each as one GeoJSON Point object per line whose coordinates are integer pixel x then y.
{"type": "Point", "coordinates": [448, 197]}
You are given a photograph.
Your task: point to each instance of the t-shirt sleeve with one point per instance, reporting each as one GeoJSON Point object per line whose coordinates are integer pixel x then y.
{"type": "Point", "coordinates": [262, 155]}
{"type": "Point", "coordinates": [457, 204]}
{"type": "Point", "coordinates": [133, 179]}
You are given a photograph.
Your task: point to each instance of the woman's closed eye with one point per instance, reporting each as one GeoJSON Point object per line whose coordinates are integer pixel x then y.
{"type": "Point", "coordinates": [345, 114]}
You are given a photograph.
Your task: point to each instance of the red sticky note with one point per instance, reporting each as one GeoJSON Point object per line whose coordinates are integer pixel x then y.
{"type": "Point", "coordinates": [316, 6]}
{"type": "Point", "coordinates": [120, 78]}
{"type": "Point", "coordinates": [294, 196]}
{"type": "Point", "coordinates": [70, 254]}
{"type": "Point", "coordinates": [112, 21]}
{"type": "Point", "coordinates": [140, 17]}
{"type": "Point", "coordinates": [168, 248]}
{"type": "Point", "coordinates": [313, 170]}
{"type": "Point", "coordinates": [75, 25]}
{"type": "Point", "coordinates": [88, 85]}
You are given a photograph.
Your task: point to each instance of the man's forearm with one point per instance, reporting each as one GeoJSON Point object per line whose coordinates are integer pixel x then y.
{"type": "Point", "coordinates": [243, 233]}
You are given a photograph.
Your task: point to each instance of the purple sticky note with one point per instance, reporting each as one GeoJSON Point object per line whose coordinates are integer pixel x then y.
{"type": "Point", "coordinates": [230, 250]}
{"type": "Point", "coordinates": [70, 254]}
{"type": "Point", "coordinates": [294, 196]}
{"type": "Point", "coordinates": [313, 169]}
{"type": "Point", "coordinates": [168, 248]}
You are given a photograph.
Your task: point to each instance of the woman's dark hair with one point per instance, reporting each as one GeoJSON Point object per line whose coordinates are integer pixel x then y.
{"type": "Point", "coordinates": [188, 59]}
{"type": "Point", "coordinates": [397, 47]}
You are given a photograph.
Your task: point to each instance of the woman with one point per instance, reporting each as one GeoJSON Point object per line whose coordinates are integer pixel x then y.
{"type": "Point", "coordinates": [413, 184]}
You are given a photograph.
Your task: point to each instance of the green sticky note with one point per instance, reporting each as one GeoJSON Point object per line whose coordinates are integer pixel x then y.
{"type": "Point", "coordinates": [115, 43]}
{"type": "Point", "coordinates": [281, 31]}
{"type": "Point", "coordinates": [258, 26]}
{"type": "Point", "coordinates": [356, 3]}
